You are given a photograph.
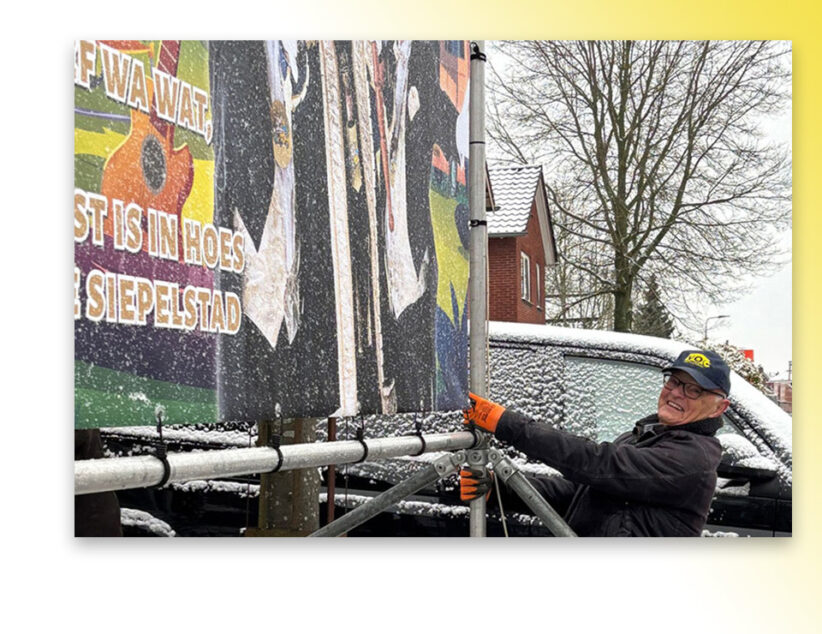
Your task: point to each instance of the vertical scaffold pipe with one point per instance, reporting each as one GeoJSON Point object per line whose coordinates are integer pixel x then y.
{"type": "Point", "coordinates": [478, 308]}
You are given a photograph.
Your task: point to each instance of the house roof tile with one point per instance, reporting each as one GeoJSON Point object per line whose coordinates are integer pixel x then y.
{"type": "Point", "coordinates": [514, 190]}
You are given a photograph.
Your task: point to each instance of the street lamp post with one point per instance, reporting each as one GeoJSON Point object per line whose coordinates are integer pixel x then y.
{"type": "Point", "coordinates": [705, 336]}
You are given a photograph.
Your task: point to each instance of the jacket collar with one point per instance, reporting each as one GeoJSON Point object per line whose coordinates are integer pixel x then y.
{"type": "Point", "coordinates": [650, 425]}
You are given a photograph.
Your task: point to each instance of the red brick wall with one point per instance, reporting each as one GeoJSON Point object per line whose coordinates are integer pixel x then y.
{"type": "Point", "coordinates": [784, 394]}
{"type": "Point", "coordinates": [503, 279]}
{"type": "Point", "coordinates": [505, 303]}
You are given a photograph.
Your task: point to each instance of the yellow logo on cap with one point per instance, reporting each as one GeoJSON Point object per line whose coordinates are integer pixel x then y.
{"type": "Point", "coordinates": [698, 359]}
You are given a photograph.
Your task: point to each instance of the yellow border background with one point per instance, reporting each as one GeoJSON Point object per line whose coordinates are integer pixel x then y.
{"type": "Point", "coordinates": [353, 585]}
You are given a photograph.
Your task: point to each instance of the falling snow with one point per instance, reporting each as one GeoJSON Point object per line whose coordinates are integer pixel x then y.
{"type": "Point", "coordinates": [525, 365]}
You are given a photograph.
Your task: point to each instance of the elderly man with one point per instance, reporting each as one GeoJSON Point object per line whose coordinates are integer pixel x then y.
{"type": "Point", "coordinates": [656, 480]}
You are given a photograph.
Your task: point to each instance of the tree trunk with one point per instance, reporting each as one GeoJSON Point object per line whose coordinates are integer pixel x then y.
{"type": "Point", "coordinates": [623, 311]}
{"type": "Point", "coordinates": [289, 501]}
{"type": "Point", "coordinates": [623, 305]}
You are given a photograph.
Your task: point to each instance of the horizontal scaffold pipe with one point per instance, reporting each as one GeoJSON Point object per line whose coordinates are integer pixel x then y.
{"type": "Point", "coordinates": [136, 472]}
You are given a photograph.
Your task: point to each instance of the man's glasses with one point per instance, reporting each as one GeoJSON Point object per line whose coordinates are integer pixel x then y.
{"type": "Point", "coordinates": [691, 390]}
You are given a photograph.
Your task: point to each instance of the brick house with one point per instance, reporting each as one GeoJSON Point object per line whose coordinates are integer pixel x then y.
{"type": "Point", "coordinates": [520, 243]}
{"type": "Point", "coordinates": [783, 393]}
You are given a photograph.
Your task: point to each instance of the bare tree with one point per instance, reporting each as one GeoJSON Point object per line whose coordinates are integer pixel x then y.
{"type": "Point", "coordinates": [654, 160]}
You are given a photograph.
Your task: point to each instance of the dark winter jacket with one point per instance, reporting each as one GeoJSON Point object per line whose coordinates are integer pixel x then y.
{"type": "Point", "coordinates": [656, 480]}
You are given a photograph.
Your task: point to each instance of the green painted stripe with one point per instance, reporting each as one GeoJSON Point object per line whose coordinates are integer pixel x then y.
{"type": "Point", "coordinates": [93, 408]}
{"type": "Point", "coordinates": [110, 398]}
{"type": "Point", "coordinates": [95, 377]}
{"type": "Point", "coordinates": [88, 172]}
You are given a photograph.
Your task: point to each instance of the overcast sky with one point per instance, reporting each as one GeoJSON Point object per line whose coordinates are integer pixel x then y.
{"type": "Point", "coordinates": [762, 321]}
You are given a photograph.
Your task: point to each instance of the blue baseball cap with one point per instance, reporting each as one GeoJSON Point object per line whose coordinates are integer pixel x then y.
{"type": "Point", "coordinates": [706, 367]}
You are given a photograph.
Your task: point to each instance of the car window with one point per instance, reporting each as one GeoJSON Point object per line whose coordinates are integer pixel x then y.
{"type": "Point", "coordinates": [606, 397]}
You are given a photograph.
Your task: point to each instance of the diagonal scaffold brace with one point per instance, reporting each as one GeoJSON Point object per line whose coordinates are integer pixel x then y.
{"type": "Point", "coordinates": [443, 467]}
{"type": "Point", "coordinates": [440, 468]}
{"type": "Point", "coordinates": [515, 480]}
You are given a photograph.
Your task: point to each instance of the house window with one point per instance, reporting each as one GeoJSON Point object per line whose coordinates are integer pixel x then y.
{"type": "Point", "coordinates": [525, 277]}
{"type": "Point", "coordinates": [537, 277]}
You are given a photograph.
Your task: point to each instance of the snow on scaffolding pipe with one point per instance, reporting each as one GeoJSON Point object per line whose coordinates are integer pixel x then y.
{"type": "Point", "coordinates": [134, 472]}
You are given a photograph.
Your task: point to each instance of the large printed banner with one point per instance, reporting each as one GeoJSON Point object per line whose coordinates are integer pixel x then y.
{"type": "Point", "coordinates": [269, 229]}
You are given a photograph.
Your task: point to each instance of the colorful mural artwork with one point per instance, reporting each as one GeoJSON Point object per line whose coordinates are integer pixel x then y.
{"type": "Point", "coordinates": [269, 229]}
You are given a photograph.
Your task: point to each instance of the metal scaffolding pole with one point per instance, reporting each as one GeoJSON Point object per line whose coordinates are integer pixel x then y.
{"type": "Point", "coordinates": [440, 468]}
{"type": "Point", "coordinates": [528, 494]}
{"type": "Point", "coordinates": [117, 474]}
{"type": "Point", "coordinates": [478, 283]}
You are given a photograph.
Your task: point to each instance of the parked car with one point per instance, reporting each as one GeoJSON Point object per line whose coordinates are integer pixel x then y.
{"type": "Point", "coordinates": [591, 383]}
{"type": "Point", "coordinates": [598, 383]}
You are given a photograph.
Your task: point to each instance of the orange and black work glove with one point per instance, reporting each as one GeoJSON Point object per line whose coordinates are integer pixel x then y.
{"type": "Point", "coordinates": [474, 483]}
{"type": "Point", "coordinates": [483, 413]}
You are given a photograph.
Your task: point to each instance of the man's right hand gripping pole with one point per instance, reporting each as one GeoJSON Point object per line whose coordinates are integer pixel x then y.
{"type": "Point", "coordinates": [483, 413]}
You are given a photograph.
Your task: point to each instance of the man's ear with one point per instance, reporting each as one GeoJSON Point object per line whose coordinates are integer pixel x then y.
{"type": "Point", "coordinates": [721, 407]}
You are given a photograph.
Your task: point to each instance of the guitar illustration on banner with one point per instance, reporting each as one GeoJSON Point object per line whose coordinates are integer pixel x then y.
{"type": "Point", "coordinates": [146, 168]}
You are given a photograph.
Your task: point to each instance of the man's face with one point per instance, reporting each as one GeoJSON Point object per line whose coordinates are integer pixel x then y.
{"type": "Point", "coordinates": [674, 408]}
